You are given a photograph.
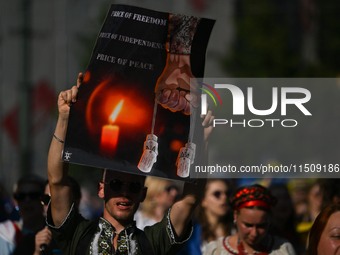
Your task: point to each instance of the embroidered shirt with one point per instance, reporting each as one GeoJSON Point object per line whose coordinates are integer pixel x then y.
{"type": "Point", "coordinates": [161, 236]}
{"type": "Point", "coordinates": [102, 240]}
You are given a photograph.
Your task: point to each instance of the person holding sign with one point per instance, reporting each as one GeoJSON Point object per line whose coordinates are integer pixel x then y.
{"type": "Point", "coordinates": [115, 232]}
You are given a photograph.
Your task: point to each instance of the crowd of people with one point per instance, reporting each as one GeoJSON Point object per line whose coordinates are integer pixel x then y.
{"type": "Point", "coordinates": [156, 216]}
{"type": "Point", "coordinates": [228, 220]}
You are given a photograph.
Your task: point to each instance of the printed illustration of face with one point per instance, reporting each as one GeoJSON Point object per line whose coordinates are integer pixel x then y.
{"type": "Point", "coordinates": [252, 225]}
{"type": "Point", "coordinates": [329, 243]}
{"type": "Point", "coordinates": [122, 204]}
{"type": "Point", "coordinates": [215, 199]}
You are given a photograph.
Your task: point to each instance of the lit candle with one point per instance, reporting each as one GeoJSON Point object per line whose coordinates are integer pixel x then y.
{"type": "Point", "coordinates": [110, 133]}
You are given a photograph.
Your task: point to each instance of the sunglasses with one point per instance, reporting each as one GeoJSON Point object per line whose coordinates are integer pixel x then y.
{"type": "Point", "coordinates": [219, 193]}
{"type": "Point", "coordinates": [116, 185]}
{"type": "Point", "coordinates": [45, 199]}
{"type": "Point", "coordinates": [20, 196]}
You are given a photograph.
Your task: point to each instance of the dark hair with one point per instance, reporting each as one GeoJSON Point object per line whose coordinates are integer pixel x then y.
{"type": "Point", "coordinates": [283, 187]}
{"type": "Point", "coordinates": [285, 227]}
{"type": "Point", "coordinates": [319, 226]}
{"type": "Point", "coordinates": [260, 197]}
{"type": "Point", "coordinates": [201, 216]}
{"type": "Point", "coordinates": [75, 188]}
{"type": "Point", "coordinates": [31, 178]}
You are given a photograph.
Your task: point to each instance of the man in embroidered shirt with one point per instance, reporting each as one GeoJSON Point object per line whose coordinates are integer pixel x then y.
{"type": "Point", "coordinates": [122, 192]}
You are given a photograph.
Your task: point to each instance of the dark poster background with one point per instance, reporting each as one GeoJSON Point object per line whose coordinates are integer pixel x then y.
{"type": "Point", "coordinates": [123, 73]}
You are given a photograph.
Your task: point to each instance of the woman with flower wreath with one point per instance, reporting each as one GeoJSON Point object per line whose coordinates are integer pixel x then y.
{"type": "Point", "coordinates": [252, 212]}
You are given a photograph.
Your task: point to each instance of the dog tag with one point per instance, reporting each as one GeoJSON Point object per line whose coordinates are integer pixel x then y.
{"type": "Point", "coordinates": [150, 152]}
{"type": "Point", "coordinates": [147, 160]}
{"type": "Point", "coordinates": [185, 158]}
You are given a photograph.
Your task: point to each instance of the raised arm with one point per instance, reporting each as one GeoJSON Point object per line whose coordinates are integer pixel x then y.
{"type": "Point", "coordinates": [61, 193]}
{"type": "Point", "coordinates": [182, 210]}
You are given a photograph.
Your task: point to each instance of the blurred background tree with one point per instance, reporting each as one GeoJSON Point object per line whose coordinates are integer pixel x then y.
{"type": "Point", "coordinates": [275, 38]}
{"type": "Point", "coordinates": [278, 39]}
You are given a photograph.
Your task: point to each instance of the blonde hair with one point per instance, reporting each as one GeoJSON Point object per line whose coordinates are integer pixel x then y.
{"type": "Point", "coordinates": [155, 186]}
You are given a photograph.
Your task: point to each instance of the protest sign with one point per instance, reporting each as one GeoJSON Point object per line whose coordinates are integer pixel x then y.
{"type": "Point", "coordinates": [137, 111]}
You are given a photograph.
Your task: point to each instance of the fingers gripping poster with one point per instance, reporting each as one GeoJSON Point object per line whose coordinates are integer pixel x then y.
{"type": "Point", "coordinates": [137, 111]}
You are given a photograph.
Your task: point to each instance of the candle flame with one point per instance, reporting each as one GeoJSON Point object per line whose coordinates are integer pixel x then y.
{"type": "Point", "coordinates": [115, 112]}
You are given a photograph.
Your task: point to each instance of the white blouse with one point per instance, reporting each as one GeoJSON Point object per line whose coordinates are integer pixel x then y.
{"type": "Point", "coordinates": [222, 247]}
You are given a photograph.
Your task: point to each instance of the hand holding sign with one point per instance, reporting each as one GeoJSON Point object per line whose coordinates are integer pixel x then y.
{"type": "Point", "coordinates": [68, 97]}
{"type": "Point", "coordinates": [177, 94]}
{"type": "Point", "coordinates": [174, 85]}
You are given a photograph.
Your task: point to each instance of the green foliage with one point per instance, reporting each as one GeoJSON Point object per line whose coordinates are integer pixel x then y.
{"type": "Point", "coordinates": [269, 39]}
